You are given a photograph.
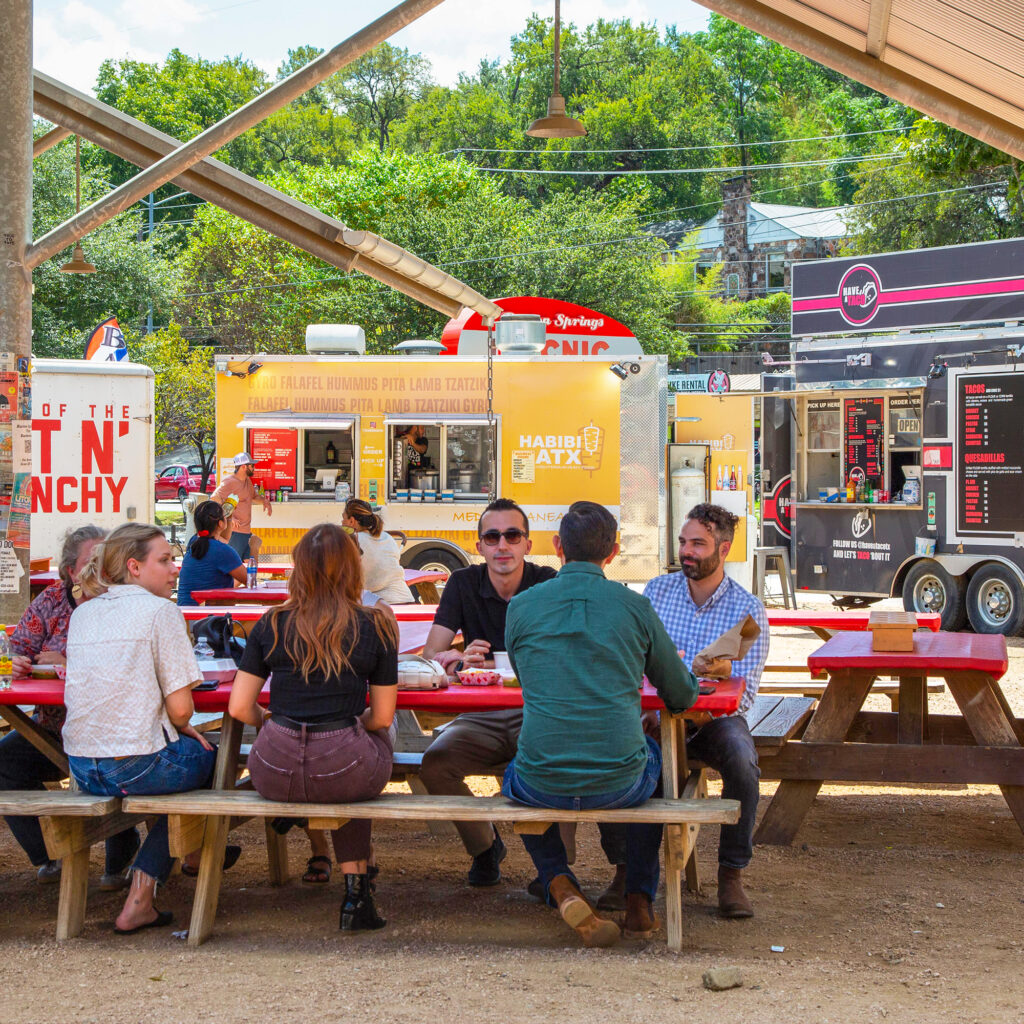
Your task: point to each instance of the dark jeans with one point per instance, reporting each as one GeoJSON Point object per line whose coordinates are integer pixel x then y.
{"type": "Point", "coordinates": [23, 767]}
{"type": "Point", "coordinates": [724, 744]}
{"type": "Point", "coordinates": [641, 841]}
{"type": "Point", "coordinates": [331, 767]}
{"type": "Point", "coordinates": [240, 543]}
{"type": "Point", "coordinates": [182, 765]}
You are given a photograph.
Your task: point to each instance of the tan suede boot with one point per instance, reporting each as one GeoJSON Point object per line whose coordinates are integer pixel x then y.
{"type": "Point", "coordinates": [577, 913]}
{"type": "Point", "coordinates": [641, 921]}
{"type": "Point", "coordinates": [732, 900]}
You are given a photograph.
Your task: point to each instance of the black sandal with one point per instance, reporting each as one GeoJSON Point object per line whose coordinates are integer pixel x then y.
{"type": "Point", "coordinates": [316, 875]}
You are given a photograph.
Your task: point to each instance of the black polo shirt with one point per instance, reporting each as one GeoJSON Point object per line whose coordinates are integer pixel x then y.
{"type": "Point", "coordinates": [470, 603]}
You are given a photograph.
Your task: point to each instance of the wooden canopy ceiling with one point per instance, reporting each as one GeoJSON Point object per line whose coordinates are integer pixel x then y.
{"type": "Point", "coordinates": [959, 61]}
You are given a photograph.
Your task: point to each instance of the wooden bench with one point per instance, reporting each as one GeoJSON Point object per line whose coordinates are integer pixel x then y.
{"type": "Point", "coordinates": [775, 720]}
{"type": "Point", "coordinates": [204, 815]}
{"type": "Point", "coordinates": [71, 823]}
{"type": "Point", "coordinates": [816, 687]}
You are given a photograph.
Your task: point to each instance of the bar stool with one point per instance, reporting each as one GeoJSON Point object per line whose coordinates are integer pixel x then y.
{"type": "Point", "coordinates": [779, 557]}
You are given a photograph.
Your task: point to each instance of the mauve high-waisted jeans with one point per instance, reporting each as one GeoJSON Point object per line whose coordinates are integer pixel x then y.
{"type": "Point", "coordinates": [340, 766]}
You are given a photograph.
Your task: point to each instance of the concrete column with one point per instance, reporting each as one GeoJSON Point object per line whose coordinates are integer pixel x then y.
{"type": "Point", "coordinates": [15, 230]}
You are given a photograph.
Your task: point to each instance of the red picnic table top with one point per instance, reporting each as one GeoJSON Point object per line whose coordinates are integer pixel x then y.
{"type": "Point", "coordinates": [455, 699]}
{"type": "Point", "coordinates": [838, 620]}
{"type": "Point", "coordinates": [933, 654]}
{"type": "Point", "coordinates": [275, 591]}
{"type": "Point", "coordinates": [252, 612]}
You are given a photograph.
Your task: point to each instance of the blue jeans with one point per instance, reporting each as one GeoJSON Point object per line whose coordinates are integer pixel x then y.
{"type": "Point", "coordinates": [180, 766]}
{"type": "Point", "coordinates": [23, 767]}
{"type": "Point", "coordinates": [240, 543]}
{"type": "Point", "coordinates": [642, 842]}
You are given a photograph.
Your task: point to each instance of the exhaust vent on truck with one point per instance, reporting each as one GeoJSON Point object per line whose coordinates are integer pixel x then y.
{"type": "Point", "coordinates": [419, 347]}
{"type": "Point", "coordinates": [335, 340]}
{"type": "Point", "coordinates": [520, 333]}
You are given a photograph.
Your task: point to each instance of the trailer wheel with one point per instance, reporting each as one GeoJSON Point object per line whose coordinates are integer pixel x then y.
{"type": "Point", "coordinates": [995, 603]}
{"type": "Point", "coordinates": [929, 588]}
{"type": "Point", "coordinates": [436, 560]}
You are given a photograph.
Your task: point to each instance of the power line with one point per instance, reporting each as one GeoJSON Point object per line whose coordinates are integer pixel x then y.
{"type": "Point", "coordinates": [683, 149]}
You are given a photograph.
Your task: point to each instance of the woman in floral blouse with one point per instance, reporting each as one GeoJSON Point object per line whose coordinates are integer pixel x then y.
{"type": "Point", "coordinates": [41, 638]}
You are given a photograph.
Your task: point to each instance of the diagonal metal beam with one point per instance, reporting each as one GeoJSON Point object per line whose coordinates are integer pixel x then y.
{"type": "Point", "coordinates": [49, 140]}
{"type": "Point", "coordinates": [252, 200]}
{"type": "Point", "coordinates": [878, 28]}
{"type": "Point", "coordinates": [228, 128]}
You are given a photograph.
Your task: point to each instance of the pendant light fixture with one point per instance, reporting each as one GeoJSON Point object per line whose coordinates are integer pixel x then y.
{"type": "Point", "coordinates": [557, 125]}
{"type": "Point", "coordinates": [78, 264]}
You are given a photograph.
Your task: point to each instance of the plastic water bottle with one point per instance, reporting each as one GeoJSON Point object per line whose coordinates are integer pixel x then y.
{"type": "Point", "coordinates": [6, 665]}
{"type": "Point", "coordinates": [202, 648]}
{"type": "Point", "coordinates": [250, 574]}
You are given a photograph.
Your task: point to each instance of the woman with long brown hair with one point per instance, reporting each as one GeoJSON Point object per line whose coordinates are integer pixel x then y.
{"type": "Point", "coordinates": [321, 742]}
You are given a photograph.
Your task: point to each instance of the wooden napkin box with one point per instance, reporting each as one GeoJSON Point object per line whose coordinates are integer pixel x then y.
{"type": "Point", "coordinates": [892, 631]}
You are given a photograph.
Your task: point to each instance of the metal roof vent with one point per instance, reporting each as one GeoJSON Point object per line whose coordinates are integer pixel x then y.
{"type": "Point", "coordinates": [335, 340]}
{"type": "Point", "coordinates": [419, 347]}
{"type": "Point", "coordinates": [520, 333]}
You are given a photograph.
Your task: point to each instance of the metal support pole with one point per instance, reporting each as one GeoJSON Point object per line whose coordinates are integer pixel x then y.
{"type": "Point", "coordinates": [149, 238]}
{"type": "Point", "coordinates": [15, 277]}
{"type": "Point", "coordinates": [219, 135]}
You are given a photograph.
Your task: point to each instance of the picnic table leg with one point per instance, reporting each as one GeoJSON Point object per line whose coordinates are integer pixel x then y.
{"type": "Point", "coordinates": [428, 592]}
{"type": "Point", "coordinates": [975, 694]}
{"type": "Point", "coordinates": [912, 709]}
{"type": "Point", "coordinates": [844, 696]}
{"type": "Point", "coordinates": [37, 736]}
{"type": "Point", "coordinates": [673, 753]}
{"type": "Point", "coordinates": [211, 863]}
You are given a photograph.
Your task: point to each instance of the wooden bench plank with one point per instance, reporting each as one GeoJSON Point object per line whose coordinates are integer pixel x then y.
{"type": "Point", "coordinates": [403, 807]}
{"type": "Point", "coordinates": [775, 729]}
{"type": "Point", "coordinates": [59, 802]}
{"type": "Point", "coordinates": [764, 704]}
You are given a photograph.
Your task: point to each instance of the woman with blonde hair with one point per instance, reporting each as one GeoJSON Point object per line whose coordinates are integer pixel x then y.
{"type": "Point", "coordinates": [383, 575]}
{"type": "Point", "coordinates": [130, 675]}
{"type": "Point", "coordinates": [321, 742]}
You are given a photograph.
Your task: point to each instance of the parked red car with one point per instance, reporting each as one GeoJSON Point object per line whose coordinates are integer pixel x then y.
{"type": "Point", "coordinates": [181, 481]}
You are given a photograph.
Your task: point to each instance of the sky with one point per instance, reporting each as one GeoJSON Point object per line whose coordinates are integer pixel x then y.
{"type": "Point", "coordinates": [73, 37]}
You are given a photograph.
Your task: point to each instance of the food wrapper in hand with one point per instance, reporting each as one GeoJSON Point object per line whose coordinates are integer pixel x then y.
{"type": "Point", "coordinates": [715, 661]}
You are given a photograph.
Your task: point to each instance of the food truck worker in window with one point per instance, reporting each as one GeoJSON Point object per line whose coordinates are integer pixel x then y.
{"type": "Point", "coordinates": [415, 438]}
{"type": "Point", "coordinates": [697, 606]}
{"type": "Point", "coordinates": [239, 487]}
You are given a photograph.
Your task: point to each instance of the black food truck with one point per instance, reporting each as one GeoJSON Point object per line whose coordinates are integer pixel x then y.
{"type": "Point", "coordinates": [894, 463]}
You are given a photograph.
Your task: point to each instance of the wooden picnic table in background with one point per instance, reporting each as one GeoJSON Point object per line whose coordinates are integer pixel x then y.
{"type": "Point", "coordinates": [843, 743]}
{"type": "Point", "coordinates": [827, 622]}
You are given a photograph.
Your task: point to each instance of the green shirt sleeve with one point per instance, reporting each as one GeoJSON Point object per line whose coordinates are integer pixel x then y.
{"type": "Point", "coordinates": [665, 669]}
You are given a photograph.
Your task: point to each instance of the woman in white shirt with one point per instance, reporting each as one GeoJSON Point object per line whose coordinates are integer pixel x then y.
{"type": "Point", "coordinates": [383, 575]}
{"type": "Point", "coordinates": [130, 673]}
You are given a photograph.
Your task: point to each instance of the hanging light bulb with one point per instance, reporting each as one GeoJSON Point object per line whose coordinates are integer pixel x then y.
{"type": "Point", "coordinates": [557, 125]}
{"type": "Point", "coordinates": [78, 264]}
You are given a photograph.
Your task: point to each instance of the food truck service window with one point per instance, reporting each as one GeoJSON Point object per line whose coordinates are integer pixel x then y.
{"type": "Point", "coordinates": [302, 455]}
{"type": "Point", "coordinates": [438, 460]}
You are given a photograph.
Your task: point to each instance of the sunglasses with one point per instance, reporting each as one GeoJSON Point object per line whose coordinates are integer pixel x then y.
{"type": "Point", "coordinates": [492, 537]}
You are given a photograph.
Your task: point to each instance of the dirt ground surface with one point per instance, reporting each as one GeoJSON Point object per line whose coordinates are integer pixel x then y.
{"type": "Point", "coordinates": [899, 903]}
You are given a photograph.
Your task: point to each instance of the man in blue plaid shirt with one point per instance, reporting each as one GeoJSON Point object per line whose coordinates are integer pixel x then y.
{"type": "Point", "coordinates": [697, 606]}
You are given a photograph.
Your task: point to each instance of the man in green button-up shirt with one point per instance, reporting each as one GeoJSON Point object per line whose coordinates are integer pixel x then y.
{"type": "Point", "coordinates": [580, 645]}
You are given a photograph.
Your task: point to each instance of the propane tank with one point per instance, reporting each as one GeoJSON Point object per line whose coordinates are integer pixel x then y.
{"type": "Point", "coordinates": [688, 488]}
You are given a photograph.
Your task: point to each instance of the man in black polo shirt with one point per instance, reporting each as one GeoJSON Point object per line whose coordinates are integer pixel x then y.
{"type": "Point", "coordinates": [475, 601]}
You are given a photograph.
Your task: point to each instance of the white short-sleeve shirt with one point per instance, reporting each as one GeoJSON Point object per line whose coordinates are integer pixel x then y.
{"type": "Point", "coordinates": [382, 572]}
{"type": "Point", "coordinates": [127, 650]}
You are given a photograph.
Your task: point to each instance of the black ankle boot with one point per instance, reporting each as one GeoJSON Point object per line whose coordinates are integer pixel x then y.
{"type": "Point", "coordinates": [358, 911]}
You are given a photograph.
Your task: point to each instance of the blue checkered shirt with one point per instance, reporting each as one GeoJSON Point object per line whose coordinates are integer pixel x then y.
{"type": "Point", "coordinates": [692, 628]}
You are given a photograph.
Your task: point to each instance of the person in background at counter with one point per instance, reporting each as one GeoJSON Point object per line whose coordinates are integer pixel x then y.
{"type": "Point", "coordinates": [383, 574]}
{"type": "Point", "coordinates": [41, 638]}
{"type": "Point", "coordinates": [210, 562]}
{"type": "Point", "coordinates": [416, 442]}
{"type": "Point", "coordinates": [697, 606]}
{"type": "Point", "coordinates": [240, 487]}
{"type": "Point", "coordinates": [475, 602]}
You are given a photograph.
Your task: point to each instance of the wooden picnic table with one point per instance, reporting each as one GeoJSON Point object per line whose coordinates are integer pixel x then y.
{"type": "Point", "coordinates": [827, 622]}
{"type": "Point", "coordinates": [269, 592]}
{"type": "Point", "coordinates": [984, 744]}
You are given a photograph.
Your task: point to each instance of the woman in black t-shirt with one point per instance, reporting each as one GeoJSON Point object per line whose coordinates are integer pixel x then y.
{"type": "Point", "coordinates": [320, 742]}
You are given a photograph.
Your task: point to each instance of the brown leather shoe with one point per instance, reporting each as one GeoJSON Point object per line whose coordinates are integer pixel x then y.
{"type": "Point", "coordinates": [614, 897]}
{"type": "Point", "coordinates": [576, 912]}
{"type": "Point", "coordinates": [732, 900]}
{"type": "Point", "coordinates": [641, 921]}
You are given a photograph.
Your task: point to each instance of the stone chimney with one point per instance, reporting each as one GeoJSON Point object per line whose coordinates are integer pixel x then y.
{"type": "Point", "coordinates": [736, 252]}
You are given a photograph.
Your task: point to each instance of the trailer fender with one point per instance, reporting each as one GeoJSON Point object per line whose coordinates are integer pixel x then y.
{"type": "Point", "coordinates": [955, 565]}
{"type": "Point", "coordinates": [448, 555]}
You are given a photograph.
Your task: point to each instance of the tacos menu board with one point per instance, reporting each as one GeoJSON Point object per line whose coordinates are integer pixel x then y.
{"type": "Point", "coordinates": [989, 453]}
{"type": "Point", "coordinates": [863, 425]}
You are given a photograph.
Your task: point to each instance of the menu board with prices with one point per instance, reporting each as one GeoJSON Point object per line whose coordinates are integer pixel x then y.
{"type": "Point", "coordinates": [990, 492]}
{"type": "Point", "coordinates": [863, 422]}
{"type": "Point", "coordinates": [274, 452]}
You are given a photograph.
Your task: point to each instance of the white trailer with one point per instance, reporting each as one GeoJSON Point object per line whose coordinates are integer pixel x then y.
{"type": "Point", "coordinates": [92, 447]}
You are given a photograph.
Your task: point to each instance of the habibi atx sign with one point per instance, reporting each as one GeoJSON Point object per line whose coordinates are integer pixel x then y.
{"type": "Point", "coordinates": [950, 285]}
{"type": "Point", "coordinates": [571, 330]}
